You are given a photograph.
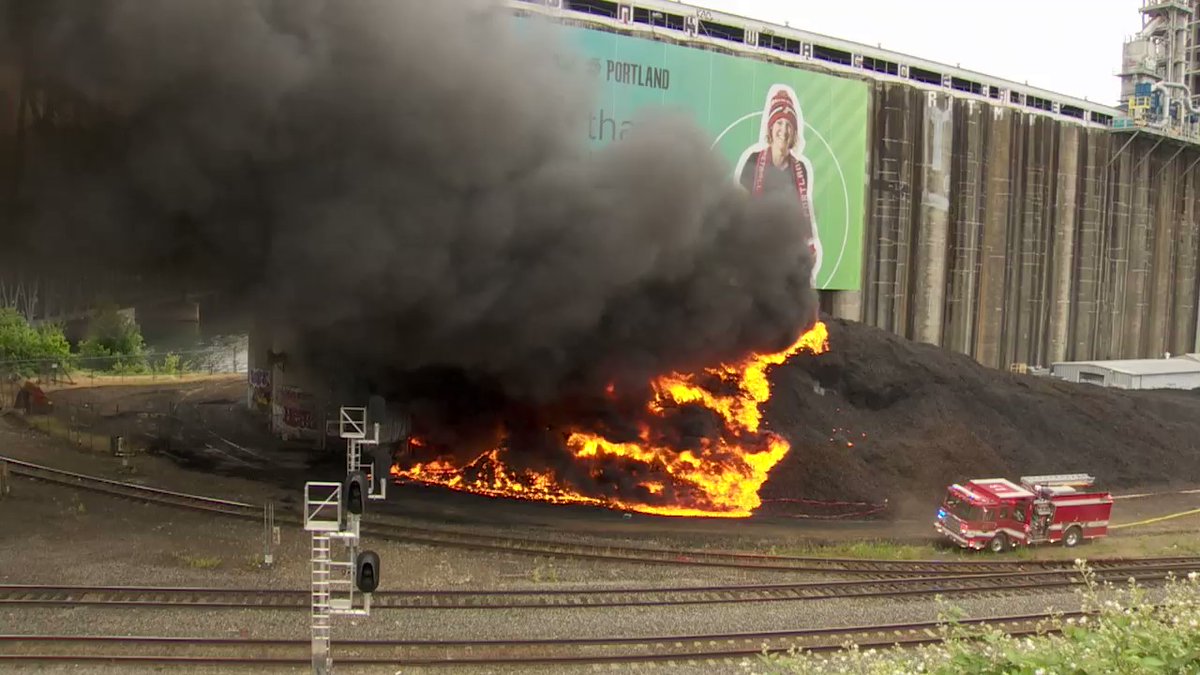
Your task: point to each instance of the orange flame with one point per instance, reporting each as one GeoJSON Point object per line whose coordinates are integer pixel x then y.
{"type": "Point", "coordinates": [720, 478]}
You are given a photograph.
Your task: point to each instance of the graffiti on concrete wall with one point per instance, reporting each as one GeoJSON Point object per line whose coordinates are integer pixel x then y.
{"type": "Point", "coordinates": [299, 408]}
{"type": "Point", "coordinates": [260, 389]}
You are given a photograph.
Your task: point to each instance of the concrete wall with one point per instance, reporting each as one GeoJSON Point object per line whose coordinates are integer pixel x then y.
{"type": "Point", "coordinates": [9, 96]}
{"type": "Point", "coordinates": [1020, 238]}
{"type": "Point", "coordinates": [281, 386]}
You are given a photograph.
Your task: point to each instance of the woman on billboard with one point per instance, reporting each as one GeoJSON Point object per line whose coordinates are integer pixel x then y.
{"type": "Point", "coordinates": [777, 163]}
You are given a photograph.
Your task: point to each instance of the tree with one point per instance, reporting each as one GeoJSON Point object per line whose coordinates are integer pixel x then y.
{"type": "Point", "coordinates": [114, 342]}
{"type": "Point", "coordinates": [24, 349]}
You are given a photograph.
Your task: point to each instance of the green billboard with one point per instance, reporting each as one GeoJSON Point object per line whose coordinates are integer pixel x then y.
{"type": "Point", "coordinates": [738, 101]}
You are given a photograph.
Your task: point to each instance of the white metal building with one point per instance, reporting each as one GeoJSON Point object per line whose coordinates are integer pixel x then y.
{"type": "Point", "coordinates": [1174, 373]}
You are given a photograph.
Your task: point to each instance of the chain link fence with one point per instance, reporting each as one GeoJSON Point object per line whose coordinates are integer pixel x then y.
{"type": "Point", "coordinates": [121, 424]}
{"type": "Point", "coordinates": [81, 425]}
{"type": "Point", "coordinates": [230, 357]}
{"type": "Point", "coordinates": [134, 426]}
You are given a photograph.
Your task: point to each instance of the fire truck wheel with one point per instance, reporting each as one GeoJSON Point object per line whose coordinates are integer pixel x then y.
{"type": "Point", "coordinates": [998, 544]}
{"type": "Point", "coordinates": [1072, 537]}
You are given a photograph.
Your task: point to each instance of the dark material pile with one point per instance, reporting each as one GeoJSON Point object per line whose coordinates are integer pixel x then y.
{"type": "Point", "coordinates": [921, 417]}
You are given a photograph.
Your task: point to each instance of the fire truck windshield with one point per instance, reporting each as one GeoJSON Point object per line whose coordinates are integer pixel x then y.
{"type": "Point", "coordinates": [960, 508]}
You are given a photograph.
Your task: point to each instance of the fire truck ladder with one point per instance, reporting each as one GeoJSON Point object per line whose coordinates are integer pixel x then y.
{"type": "Point", "coordinates": [1059, 479]}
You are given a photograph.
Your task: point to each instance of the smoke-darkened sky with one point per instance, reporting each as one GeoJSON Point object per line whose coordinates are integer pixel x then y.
{"type": "Point", "coordinates": [407, 183]}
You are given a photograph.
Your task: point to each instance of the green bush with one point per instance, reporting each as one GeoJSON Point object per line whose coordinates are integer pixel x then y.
{"type": "Point", "coordinates": [24, 349]}
{"type": "Point", "coordinates": [173, 364]}
{"type": "Point", "coordinates": [1127, 633]}
{"type": "Point", "coordinates": [114, 343]}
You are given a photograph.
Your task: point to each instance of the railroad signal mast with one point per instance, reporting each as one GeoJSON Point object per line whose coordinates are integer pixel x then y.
{"type": "Point", "coordinates": [333, 512]}
{"type": "Point", "coordinates": [352, 426]}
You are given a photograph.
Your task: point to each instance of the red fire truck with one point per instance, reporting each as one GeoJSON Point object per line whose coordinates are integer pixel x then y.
{"type": "Point", "coordinates": [998, 514]}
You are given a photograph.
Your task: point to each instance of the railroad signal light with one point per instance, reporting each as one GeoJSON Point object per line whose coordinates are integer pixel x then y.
{"type": "Point", "coordinates": [354, 492]}
{"type": "Point", "coordinates": [366, 571]}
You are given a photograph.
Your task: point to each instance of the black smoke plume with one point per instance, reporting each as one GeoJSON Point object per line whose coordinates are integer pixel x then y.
{"type": "Point", "coordinates": [407, 184]}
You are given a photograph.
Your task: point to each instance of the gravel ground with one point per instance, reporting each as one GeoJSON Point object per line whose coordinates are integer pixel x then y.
{"type": "Point", "coordinates": [54, 534]}
{"type": "Point", "coordinates": [57, 535]}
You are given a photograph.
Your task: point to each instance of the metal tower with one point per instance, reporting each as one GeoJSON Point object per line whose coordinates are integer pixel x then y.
{"type": "Point", "coordinates": [1160, 68]}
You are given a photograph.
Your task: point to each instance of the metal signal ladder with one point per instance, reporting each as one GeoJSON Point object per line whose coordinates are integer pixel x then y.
{"type": "Point", "coordinates": [322, 622]}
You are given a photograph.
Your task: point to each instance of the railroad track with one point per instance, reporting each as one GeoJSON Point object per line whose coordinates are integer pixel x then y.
{"type": "Point", "coordinates": [132, 490]}
{"type": "Point", "coordinates": [681, 649]}
{"type": "Point", "coordinates": [592, 551]}
{"type": "Point", "coordinates": [743, 561]}
{"type": "Point", "coordinates": [899, 588]}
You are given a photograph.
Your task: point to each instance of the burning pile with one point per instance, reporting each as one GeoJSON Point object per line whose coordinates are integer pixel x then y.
{"type": "Point", "coordinates": [717, 474]}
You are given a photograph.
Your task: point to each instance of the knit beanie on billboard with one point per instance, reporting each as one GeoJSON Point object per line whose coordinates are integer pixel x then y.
{"type": "Point", "coordinates": [782, 108]}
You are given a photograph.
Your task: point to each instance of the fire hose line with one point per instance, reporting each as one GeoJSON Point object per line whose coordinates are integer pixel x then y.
{"type": "Point", "coordinates": [671, 648]}
{"type": "Point", "coordinates": [840, 516]}
{"type": "Point", "coordinates": [820, 502]}
{"type": "Point", "coordinates": [1142, 495]}
{"type": "Point", "coordinates": [1148, 521]}
{"type": "Point", "coordinates": [624, 554]}
{"type": "Point", "coordinates": [866, 509]}
{"type": "Point", "coordinates": [284, 599]}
